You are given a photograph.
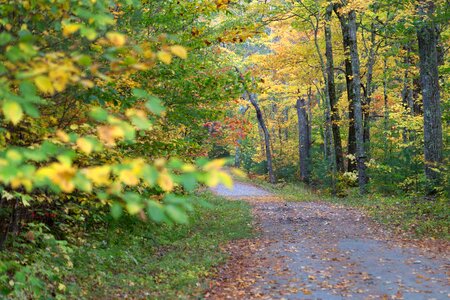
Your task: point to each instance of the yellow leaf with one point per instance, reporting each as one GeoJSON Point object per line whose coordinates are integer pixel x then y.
{"type": "Point", "coordinates": [117, 39]}
{"type": "Point", "coordinates": [61, 174]}
{"type": "Point", "coordinates": [69, 29]}
{"type": "Point", "coordinates": [85, 145]}
{"type": "Point", "coordinates": [226, 180]}
{"type": "Point", "coordinates": [44, 84]}
{"type": "Point", "coordinates": [188, 168]}
{"type": "Point", "coordinates": [212, 178]}
{"type": "Point", "coordinates": [179, 51]}
{"type": "Point", "coordinates": [165, 57]}
{"type": "Point", "coordinates": [109, 134]}
{"type": "Point", "coordinates": [165, 182]}
{"type": "Point", "coordinates": [98, 175]}
{"type": "Point", "coordinates": [59, 79]}
{"type": "Point", "coordinates": [149, 54]}
{"type": "Point", "coordinates": [62, 136]}
{"type": "Point", "coordinates": [128, 177]}
{"type": "Point", "coordinates": [12, 111]}
{"type": "Point", "coordinates": [238, 173]}
{"type": "Point", "coordinates": [215, 164]}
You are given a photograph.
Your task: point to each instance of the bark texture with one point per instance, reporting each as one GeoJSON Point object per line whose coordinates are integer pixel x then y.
{"type": "Point", "coordinates": [429, 79]}
{"type": "Point", "coordinates": [369, 87]}
{"type": "Point", "coordinates": [262, 124]}
{"type": "Point", "coordinates": [351, 143]}
{"type": "Point", "coordinates": [359, 129]}
{"type": "Point", "coordinates": [332, 93]}
{"type": "Point", "coordinates": [304, 142]}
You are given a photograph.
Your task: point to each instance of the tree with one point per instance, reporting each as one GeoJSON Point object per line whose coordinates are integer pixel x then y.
{"type": "Point", "coordinates": [334, 114]}
{"type": "Point", "coordinates": [351, 141]}
{"type": "Point", "coordinates": [359, 127]}
{"type": "Point", "coordinates": [429, 79]}
{"type": "Point", "coordinates": [259, 116]}
{"type": "Point", "coordinates": [304, 142]}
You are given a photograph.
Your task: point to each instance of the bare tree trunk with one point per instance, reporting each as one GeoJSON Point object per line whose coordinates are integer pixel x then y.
{"type": "Point", "coordinates": [334, 115]}
{"type": "Point", "coordinates": [359, 129]}
{"type": "Point", "coordinates": [329, 151]}
{"type": "Point", "coordinates": [262, 124]}
{"type": "Point", "coordinates": [286, 120]}
{"type": "Point", "coordinates": [386, 106]}
{"type": "Point", "coordinates": [304, 142]}
{"type": "Point", "coordinates": [369, 87]}
{"type": "Point", "coordinates": [407, 91]}
{"type": "Point", "coordinates": [429, 78]}
{"type": "Point", "coordinates": [310, 116]}
{"type": "Point", "coordinates": [237, 156]}
{"type": "Point", "coordinates": [259, 116]}
{"type": "Point", "coordinates": [351, 147]}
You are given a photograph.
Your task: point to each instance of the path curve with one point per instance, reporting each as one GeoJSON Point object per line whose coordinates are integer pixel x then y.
{"type": "Point", "coordinates": [309, 250]}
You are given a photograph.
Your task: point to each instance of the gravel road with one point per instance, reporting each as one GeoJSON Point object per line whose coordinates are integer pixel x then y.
{"type": "Point", "coordinates": [308, 250]}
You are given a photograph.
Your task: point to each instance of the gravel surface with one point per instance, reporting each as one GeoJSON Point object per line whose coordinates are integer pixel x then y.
{"type": "Point", "coordinates": [321, 251]}
{"type": "Point", "coordinates": [240, 190]}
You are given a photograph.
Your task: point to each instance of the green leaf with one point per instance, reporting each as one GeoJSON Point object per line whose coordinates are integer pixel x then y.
{"type": "Point", "coordinates": [176, 214]}
{"type": "Point", "coordinates": [5, 38]}
{"type": "Point", "coordinates": [116, 210]}
{"type": "Point", "coordinates": [27, 89]}
{"type": "Point", "coordinates": [84, 60]}
{"type": "Point", "coordinates": [150, 174]}
{"type": "Point", "coordinates": [99, 114]}
{"type": "Point", "coordinates": [88, 33]}
{"type": "Point", "coordinates": [188, 181]}
{"type": "Point", "coordinates": [154, 105]}
{"type": "Point", "coordinates": [155, 211]}
{"type": "Point", "coordinates": [141, 123]}
{"type": "Point", "coordinates": [140, 93]}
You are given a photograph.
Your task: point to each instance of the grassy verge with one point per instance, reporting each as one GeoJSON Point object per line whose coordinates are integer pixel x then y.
{"type": "Point", "coordinates": [418, 216]}
{"type": "Point", "coordinates": [142, 260]}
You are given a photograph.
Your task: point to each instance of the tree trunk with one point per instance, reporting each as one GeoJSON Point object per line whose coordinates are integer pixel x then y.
{"type": "Point", "coordinates": [359, 129]}
{"type": "Point", "coordinates": [369, 87]}
{"type": "Point", "coordinates": [329, 151]}
{"type": "Point", "coordinates": [286, 120]}
{"type": "Point", "coordinates": [304, 142]}
{"type": "Point", "coordinates": [429, 79]}
{"type": "Point", "coordinates": [334, 115]}
{"type": "Point", "coordinates": [237, 156]}
{"type": "Point", "coordinates": [351, 144]}
{"type": "Point", "coordinates": [310, 116]}
{"type": "Point", "coordinates": [386, 107]}
{"type": "Point", "coordinates": [407, 91]}
{"type": "Point", "coordinates": [262, 124]}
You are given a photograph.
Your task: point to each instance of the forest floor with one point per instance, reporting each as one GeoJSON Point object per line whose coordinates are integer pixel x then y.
{"type": "Point", "coordinates": [319, 250]}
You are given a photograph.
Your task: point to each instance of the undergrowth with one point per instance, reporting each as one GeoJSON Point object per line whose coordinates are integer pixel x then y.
{"type": "Point", "coordinates": [126, 258]}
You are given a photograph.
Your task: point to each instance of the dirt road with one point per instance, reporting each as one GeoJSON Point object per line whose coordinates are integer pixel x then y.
{"type": "Point", "coordinates": [309, 250]}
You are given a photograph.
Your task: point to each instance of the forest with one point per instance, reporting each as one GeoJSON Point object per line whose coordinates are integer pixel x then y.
{"type": "Point", "coordinates": [120, 119]}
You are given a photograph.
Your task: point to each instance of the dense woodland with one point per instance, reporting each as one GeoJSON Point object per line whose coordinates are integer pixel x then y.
{"type": "Point", "coordinates": [116, 110]}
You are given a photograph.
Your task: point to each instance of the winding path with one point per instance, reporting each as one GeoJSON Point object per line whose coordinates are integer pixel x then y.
{"type": "Point", "coordinates": [309, 250]}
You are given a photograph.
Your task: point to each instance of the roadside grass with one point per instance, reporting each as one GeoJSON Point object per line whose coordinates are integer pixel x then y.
{"type": "Point", "coordinates": [143, 260]}
{"type": "Point", "coordinates": [417, 216]}
{"type": "Point", "coordinates": [127, 258]}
